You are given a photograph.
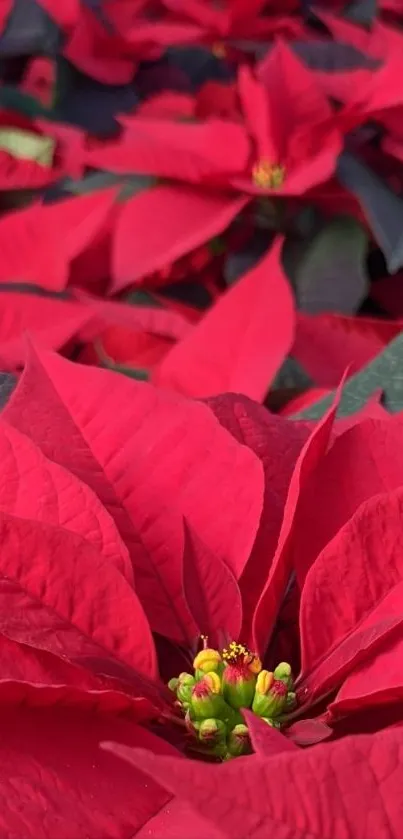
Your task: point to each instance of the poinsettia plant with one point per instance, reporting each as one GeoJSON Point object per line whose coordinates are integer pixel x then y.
{"type": "Point", "coordinates": [134, 522]}
{"type": "Point", "coordinates": [201, 485]}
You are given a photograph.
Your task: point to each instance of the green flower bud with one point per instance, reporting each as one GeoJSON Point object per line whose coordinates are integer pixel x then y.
{"type": "Point", "coordinates": [239, 675]}
{"type": "Point", "coordinates": [206, 699]}
{"type": "Point", "coordinates": [185, 687]}
{"type": "Point", "coordinates": [191, 723]}
{"type": "Point", "coordinates": [291, 702]}
{"type": "Point", "coordinates": [173, 685]}
{"type": "Point", "coordinates": [270, 697]}
{"type": "Point", "coordinates": [238, 742]}
{"type": "Point", "coordinates": [212, 731]}
{"type": "Point", "coordinates": [207, 661]}
{"type": "Point", "coordinates": [283, 674]}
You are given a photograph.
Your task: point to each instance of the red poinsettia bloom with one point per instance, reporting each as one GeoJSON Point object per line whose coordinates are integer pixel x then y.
{"type": "Point", "coordinates": [285, 141]}
{"type": "Point", "coordinates": [236, 19]}
{"type": "Point", "coordinates": [113, 556]}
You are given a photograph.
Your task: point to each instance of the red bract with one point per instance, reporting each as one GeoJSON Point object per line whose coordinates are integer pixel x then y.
{"type": "Point", "coordinates": [331, 789]}
{"type": "Point", "coordinates": [235, 19]}
{"type": "Point", "coordinates": [39, 242]}
{"type": "Point", "coordinates": [326, 344]}
{"type": "Point", "coordinates": [249, 329]}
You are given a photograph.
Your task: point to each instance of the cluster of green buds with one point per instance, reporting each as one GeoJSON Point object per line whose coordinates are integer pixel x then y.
{"type": "Point", "coordinates": [223, 683]}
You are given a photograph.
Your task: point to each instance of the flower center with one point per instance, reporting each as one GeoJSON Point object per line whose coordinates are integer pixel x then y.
{"type": "Point", "coordinates": [268, 175]}
{"type": "Point", "coordinates": [219, 50]}
{"type": "Point", "coordinates": [223, 683]}
{"type": "Point", "coordinates": [238, 656]}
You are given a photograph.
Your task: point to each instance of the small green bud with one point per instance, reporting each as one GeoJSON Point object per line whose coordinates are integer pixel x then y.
{"type": "Point", "coordinates": [238, 742]}
{"type": "Point", "coordinates": [270, 702]}
{"type": "Point", "coordinates": [185, 687]}
{"type": "Point", "coordinates": [173, 685]}
{"type": "Point", "coordinates": [291, 702]}
{"type": "Point", "coordinates": [207, 661]}
{"type": "Point", "coordinates": [212, 731]}
{"type": "Point", "coordinates": [206, 699]}
{"type": "Point", "coordinates": [239, 675]}
{"type": "Point", "coordinates": [283, 674]}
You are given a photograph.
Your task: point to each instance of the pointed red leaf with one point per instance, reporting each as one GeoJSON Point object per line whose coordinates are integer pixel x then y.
{"type": "Point", "coordinates": [241, 342]}
{"type": "Point", "coordinates": [353, 595]}
{"type": "Point", "coordinates": [277, 443]}
{"type": "Point", "coordinates": [38, 242]}
{"type": "Point", "coordinates": [56, 782]}
{"type": "Point", "coordinates": [59, 594]}
{"type": "Point", "coordinates": [186, 151]}
{"type": "Point", "coordinates": [308, 732]}
{"type": "Point", "coordinates": [281, 567]}
{"type": "Point", "coordinates": [321, 792]}
{"type": "Point", "coordinates": [211, 591]}
{"type": "Point", "coordinates": [64, 14]}
{"type": "Point", "coordinates": [364, 460]}
{"type": "Point", "coordinates": [38, 678]}
{"type": "Point", "coordinates": [266, 741]}
{"type": "Point", "coordinates": [170, 221]}
{"type": "Point", "coordinates": [50, 321]}
{"type": "Point", "coordinates": [374, 683]}
{"type": "Point", "coordinates": [98, 53]}
{"type": "Point", "coordinates": [35, 488]}
{"type": "Point", "coordinates": [111, 422]}
{"type": "Point", "coordinates": [326, 344]}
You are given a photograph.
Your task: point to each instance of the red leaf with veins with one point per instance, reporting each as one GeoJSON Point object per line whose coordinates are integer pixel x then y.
{"type": "Point", "coordinates": [266, 741]}
{"type": "Point", "coordinates": [376, 682]}
{"type": "Point", "coordinates": [365, 460]}
{"type": "Point", "coordinates": [56, 782]}
{"type": "Point", "coordinates": [38, 678]}
{"type": "Point", "coordinates": [177, 454]}
{"type": "Point", "coordinates": [50, 321]}
{"type": "Point", "coordinates": [211, 591]}
{"type": "Point", "coordinates": [347, 788]}
{"type": "Point", "coordinates": [170, 221]}
{"type": "Point", "coordinates": [241, 342]}
{"type": "Point", "coordinates": [35, 488]}
{"type": "Point", "coordinates": [59, 594]}
{"type": "Point", "coordinates": [352, 599]}
{"type": "Point", "coordinates": [272, 594]}
{"type": "Point", "coordinates": [277, 443]}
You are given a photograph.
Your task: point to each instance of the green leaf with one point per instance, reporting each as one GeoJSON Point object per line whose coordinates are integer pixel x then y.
{"type": "Point", "coordinates": [142, 298]}
{"type": "Point", "coordinates": [384, 373]}
{"type": "Point", "coordinates": [130, 184]}
{"type": "Point", "coordinates": [362, 12]}
{"type": "Point", "coordinates": [328, 272]}
{"type": "Point", "coordinates": [382, 207]}
{"type": "Point", "coordinates": [292, 375]}
{"type": "Point", "coordinates": [26, 145]}
{"type": "Point", "coordinates": [15, 100]}
{"type": "Point", "coordinates": [131, 372]}
{"type": "Point", "coordinates": [8, 382]}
